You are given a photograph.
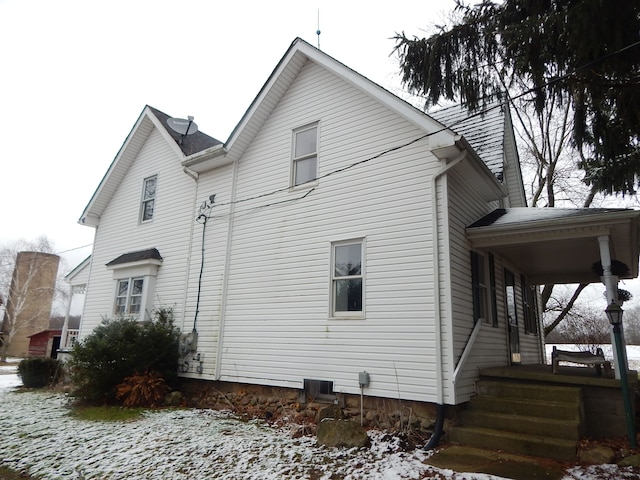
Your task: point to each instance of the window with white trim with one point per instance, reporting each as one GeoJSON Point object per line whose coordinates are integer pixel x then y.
{"type": "Point", "coordinates": [148, 205]}
{"type": "Point", "coordinates": [129, 296]}
{"type": "Point", "coordinates": [483, 281]}
{"type": "Point", "coordinates": [305, 155]}
{"type": "Point", "coordinates": [347, 279]}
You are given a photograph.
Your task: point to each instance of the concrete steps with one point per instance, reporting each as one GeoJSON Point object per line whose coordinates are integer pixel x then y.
{"type": "Point", "coordinates": [524, 418]}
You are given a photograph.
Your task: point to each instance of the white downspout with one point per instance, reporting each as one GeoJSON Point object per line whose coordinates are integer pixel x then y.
{"type": "Point", "coordinates": [436, 271]}
{"type": "Point", "coordinates": [225, 277]}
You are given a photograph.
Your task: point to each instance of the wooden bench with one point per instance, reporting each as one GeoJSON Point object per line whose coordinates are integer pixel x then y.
{"type": "Point", "coordinates": [584, 358]}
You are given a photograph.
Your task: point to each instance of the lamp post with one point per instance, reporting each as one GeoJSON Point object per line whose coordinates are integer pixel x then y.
{"type": "Point", "coordinates": [614, 314]}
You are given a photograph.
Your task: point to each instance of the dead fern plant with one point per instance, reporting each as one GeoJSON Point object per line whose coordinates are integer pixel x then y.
{"type": "Point", "coordinates": [142, 390]}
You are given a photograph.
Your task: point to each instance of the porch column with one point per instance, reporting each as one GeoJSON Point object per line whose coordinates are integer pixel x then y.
{"type": "Point", "coordinates": [611, 284]}
{"type": "Point", "coordinates": [65, 326]}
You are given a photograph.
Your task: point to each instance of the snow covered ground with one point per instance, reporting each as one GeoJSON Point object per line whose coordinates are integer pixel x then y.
{"type": "Point", "coordinates": [41, 438]}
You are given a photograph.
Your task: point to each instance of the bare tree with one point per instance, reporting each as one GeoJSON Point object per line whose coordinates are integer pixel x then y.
{"type": "Point", "coordinates": [582, 324]}
{"type": "Point", "coordinates": [27, 285]}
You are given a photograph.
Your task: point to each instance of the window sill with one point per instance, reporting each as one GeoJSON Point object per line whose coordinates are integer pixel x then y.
{"type": "Point", "coordinates": [302, 186]}
{"type": "Point", "coordinates": [347, 317]}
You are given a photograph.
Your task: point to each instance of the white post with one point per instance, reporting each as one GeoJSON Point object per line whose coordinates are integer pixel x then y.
{"type": "Point", "coordinates": [611, 284]}
{"type": "Point", "coordinates": [65, 326]}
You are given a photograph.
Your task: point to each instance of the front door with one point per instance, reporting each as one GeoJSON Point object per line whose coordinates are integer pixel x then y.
{"type": "Point", "coordinates": [512, 317]}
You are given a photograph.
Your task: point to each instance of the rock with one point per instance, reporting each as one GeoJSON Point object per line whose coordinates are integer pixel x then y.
{"type": "Point", "coordinates": [630, 461]}
{"type": "Point", "coordinates": [332, 411]}
{"type": "Point", "coordinates": [597, 455]}
{"type": "Point", "coordinates": [341, 433]}
{"type": "Point", "coordinates": [173, 399]}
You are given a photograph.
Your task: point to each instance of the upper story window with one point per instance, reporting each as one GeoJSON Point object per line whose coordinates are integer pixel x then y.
{"type": "Point", "coordinates": [129, 296]}
{"type": "Point", "coordinates": [305, 155]}
{"type": "Point", "coordinates": [148, 198]}
{"type": "Point", "coordinates": [347, 279]}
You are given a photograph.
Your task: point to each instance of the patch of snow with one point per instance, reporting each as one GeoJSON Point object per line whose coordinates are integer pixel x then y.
{"type": "Point", "coordinates": [40, 437]}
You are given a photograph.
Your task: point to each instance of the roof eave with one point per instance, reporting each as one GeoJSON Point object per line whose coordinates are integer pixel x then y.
{"type": "Point", "coordinates": [491, 189]}
{"type": "Point", "coordinates": [208, 159]}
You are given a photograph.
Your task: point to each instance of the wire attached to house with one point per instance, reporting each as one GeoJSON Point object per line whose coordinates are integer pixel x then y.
{"type": "Point", "coordinates": [202, 218]}
{"type": "Point", "coordinates": [480, 112]}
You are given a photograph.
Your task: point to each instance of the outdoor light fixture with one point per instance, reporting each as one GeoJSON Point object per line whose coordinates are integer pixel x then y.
{"type": "Point", "coordinates": [614, 314]}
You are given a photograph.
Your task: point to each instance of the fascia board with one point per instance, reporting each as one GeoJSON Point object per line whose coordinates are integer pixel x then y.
{"type": "Point", "coordinates": [494, 189]}
{"type": "Point", "coordinates": [285, 64]}
{"type": "Point", "coordinates": [439, 134]}
{"type": "Point", "coordinates": [601, 222]}
{"type": "Point", "coordinates": [208, 159]}
{"type": "Point", "coordinates": [296, 56]}
{"type": "Point", "coordinates": [91, 214]}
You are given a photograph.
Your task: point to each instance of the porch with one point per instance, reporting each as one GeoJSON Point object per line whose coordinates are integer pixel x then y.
{"type": "Point", "coordinates": [526, 409]}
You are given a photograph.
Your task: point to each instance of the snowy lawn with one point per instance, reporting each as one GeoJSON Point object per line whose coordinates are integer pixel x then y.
{"type": "Point", "coordinates": [42, 438]}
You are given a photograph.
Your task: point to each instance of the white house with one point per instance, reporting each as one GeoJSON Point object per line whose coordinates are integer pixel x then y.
{"type": "Point", "coordinates": [339, 230]}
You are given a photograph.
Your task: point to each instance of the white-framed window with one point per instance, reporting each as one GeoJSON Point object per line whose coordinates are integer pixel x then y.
{"type": "Point", "coordinates": [347, 279]}
{"type": "Point", "coordinates": [129, 296]}
{"type": "Point", "coordinates": [483, 280]}
{"type": "Point", "coordinates": [304, 166]}
{"type": "Point", "coordinates": [148, 205]}
{"type": "Point", "coordinates": [134, 275]}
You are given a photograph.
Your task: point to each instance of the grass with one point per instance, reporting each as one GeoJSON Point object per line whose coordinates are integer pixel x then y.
{"type": "Point", "coordinates": [107, 414]}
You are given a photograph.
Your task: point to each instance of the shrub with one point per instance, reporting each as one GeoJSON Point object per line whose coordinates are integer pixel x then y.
{"type": "Point", "coordinates": [38, 372]}
{"type": "Point", "coordinates": [121, 348]}
{"type": "Point", "coordinates": [146, 390]}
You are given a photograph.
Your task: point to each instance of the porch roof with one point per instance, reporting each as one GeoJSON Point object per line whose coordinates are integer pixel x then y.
{"type": "Point", "coordinates": [559, 245]}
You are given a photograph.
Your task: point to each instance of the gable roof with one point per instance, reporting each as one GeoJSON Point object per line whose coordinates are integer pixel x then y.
{"type": "Point", "coordinates": [80, 273]}
{"type": "Point", "coordinates": [189, 144]}
{"type": "Point", "coordinates": [150, 119]}
{"type": "Point", "coordinates": [484, 130]}
{"type": "Point", "coordinates": [285, 73]}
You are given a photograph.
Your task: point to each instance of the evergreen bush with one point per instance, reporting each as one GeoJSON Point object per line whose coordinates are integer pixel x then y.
{"type": "Point", "coordinates": [38, 372]}
{"type": "Point", "coordinates": [120, 348]}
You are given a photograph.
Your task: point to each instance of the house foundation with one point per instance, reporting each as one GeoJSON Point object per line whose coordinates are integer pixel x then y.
{"type": "Point", "coordinates": [280, 403]}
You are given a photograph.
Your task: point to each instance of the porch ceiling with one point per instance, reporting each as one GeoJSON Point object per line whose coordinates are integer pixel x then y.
{"type": "Point", "coordinates": [557, 245]}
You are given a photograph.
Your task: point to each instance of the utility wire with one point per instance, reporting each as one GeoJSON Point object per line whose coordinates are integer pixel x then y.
{"type": "Point", "coordinates": [449, 126]}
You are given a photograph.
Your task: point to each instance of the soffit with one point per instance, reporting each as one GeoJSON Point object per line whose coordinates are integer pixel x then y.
{"type": "Point", "coordinates": [558, 245]}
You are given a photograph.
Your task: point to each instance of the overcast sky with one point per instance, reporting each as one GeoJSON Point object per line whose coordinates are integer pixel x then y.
{"type": "Point", "coordinates": [76, 74]}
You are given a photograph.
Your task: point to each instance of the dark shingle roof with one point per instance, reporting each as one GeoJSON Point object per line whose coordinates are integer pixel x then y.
{"type": "Point", "coordinates": [516, 216]}
{"type": "Point", "coordinates": [150, 254]}
{"type": "Point", "coordinates": [484, 131]}
{"type": "Point", "coordinates": [190, 143]}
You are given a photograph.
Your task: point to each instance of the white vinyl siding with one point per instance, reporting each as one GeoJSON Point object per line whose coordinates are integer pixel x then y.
{"type": "Point", "coordinates": [276, 326]}
{"type": "Point", "coordinates": [465, 207]}
{"type": "Point", "coordinates": [491, 347]}
{"type": "Point", "coordinates": [120, 232]}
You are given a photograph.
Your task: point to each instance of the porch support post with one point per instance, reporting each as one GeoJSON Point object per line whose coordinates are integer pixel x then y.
{"type": "Point", "coordinates": [611, 284]}
{"type": "Point", "coordinates": [65, 326]}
